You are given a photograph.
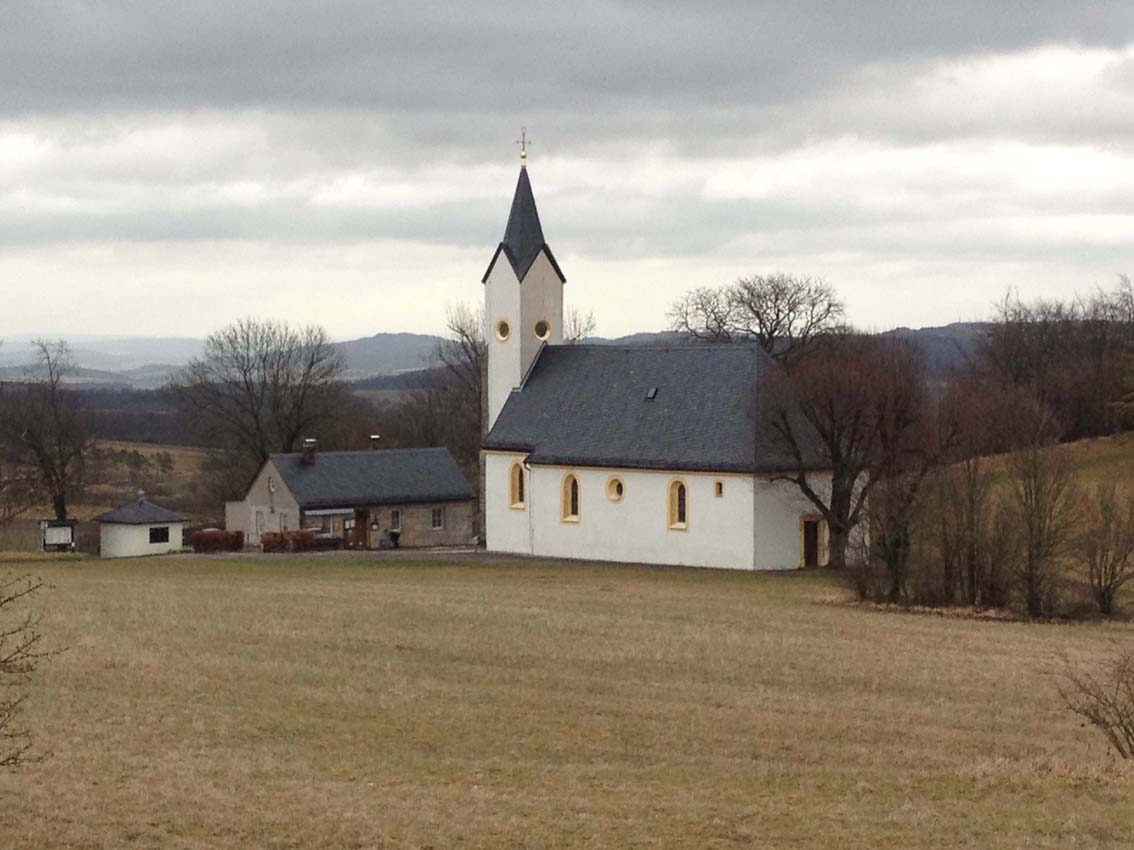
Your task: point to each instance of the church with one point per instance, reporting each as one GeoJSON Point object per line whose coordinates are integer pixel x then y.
{"type": "Point", "coordinates": [655, 455]}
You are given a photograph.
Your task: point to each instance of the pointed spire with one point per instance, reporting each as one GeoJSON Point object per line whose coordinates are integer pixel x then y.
{"type": "Point", "coordinates": [523, 235]}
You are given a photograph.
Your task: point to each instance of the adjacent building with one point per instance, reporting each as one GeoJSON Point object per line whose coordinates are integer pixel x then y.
{"type": "Point", "coordinates": [140, 528]}
{"type": "Point", "coordinates": [359, 499]}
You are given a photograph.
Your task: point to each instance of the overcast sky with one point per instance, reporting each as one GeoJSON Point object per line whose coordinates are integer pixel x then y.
{"type": "Point", "coordinates": [168, 167]}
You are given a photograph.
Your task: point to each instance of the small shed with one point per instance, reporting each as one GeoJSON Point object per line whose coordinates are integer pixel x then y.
{"type": "Point", "coordinates": [139, 528]}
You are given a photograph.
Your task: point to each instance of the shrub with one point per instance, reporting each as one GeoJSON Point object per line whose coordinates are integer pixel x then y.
{"type": "Point", "coordinates": [1105, 698]}
{"type": "Point", "coordinates": [215, 540]}
{"type": "Point", "coordinates": [273, 541]}
{"type": "Point", "coordinates": [297, 540]}
{"type": "Point", "coordinates": [302, 540]}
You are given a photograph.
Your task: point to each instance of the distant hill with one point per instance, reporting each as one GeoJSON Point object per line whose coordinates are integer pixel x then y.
{"type": "Point", "coordinates": [946, 349]}
{"type": "Point", "coordinates": [148, 363]}
{"type": "Point", "coordinates": [387, 354]}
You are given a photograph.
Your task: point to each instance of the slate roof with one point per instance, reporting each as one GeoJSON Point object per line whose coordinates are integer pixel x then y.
{"type": "Point", "coordinates": [387, 476]}
{"type": "Point", "coordinates": [587, 405]}
{"type": "Point", "coordinates": [140, 512]}
{"type": "Point", "coordinates": [523, 235]}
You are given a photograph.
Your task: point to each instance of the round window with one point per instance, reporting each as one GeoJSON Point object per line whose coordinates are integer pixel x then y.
{"type": "Point", "coordinates": [542, 329]}
{"type": "Point", "coordinates": [614, 489]}
{"type": "Point", "coordinates": [503, 331]}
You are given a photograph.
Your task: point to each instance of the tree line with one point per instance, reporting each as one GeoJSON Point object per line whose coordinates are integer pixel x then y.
{"type": "Point", "coordinates": [945, 492]}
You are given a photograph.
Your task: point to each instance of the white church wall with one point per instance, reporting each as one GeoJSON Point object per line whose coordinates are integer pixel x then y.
{"type": "Point", "coordinates": [635, 529]}
{"type": "Point", "coordinates": [778, 509]}
{"type": "Point", "coordinates": [541, 297]}
{"type": "Point", "coordinates": [502, 301]}
{"type": "Point", "coordinates": [506, 528]}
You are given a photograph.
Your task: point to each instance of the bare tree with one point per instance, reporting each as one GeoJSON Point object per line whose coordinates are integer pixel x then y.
{"type": "Point", "coordinates": [704, 314]}
{"type": "Point", "coordinates": [971, 543]}
{"type": "Point", "coordinates": [464, 356]}
{"type": "Point", "coordinates": [1106, 545]}
{"type": "Point", "coordinates": [262, 386]}
{"type": "Point", "coordinates": [783, 313]}
{"type": "Point", "coordinates": [20, 651]}
{"type": "Point", "coordinates": [44, 428]}
{"type": "Point", "coordinates": [854, 407]}
{"type": "Point", "coordinates": [578, 326]}
{"type": "Point", "coordinates": [1043, 503]}
{"type": "Point", "coordinates": [898, 499]}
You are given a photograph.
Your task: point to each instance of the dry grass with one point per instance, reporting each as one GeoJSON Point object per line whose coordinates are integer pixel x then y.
{"type": "Point", "coordinates": [330, 703]}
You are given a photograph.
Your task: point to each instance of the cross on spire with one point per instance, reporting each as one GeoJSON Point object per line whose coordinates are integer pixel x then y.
{"type": "Point", "coordinates": [523, 142]}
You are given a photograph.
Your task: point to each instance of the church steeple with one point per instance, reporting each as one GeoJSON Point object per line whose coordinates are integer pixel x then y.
{"type": "Point", "coordinates": [523, 298]}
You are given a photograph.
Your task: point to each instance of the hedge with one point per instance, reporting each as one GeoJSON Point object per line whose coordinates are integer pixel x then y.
{"type": "Point", "coordinates": [298, 540]}
{"type": "Point", "coordinates": [215, 540]}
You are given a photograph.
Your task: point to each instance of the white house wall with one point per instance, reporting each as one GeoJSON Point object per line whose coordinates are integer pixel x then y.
{"type": "Point", "coordinates": [269, 495]}
{"type": "Point", "coordinates": [131, 541]}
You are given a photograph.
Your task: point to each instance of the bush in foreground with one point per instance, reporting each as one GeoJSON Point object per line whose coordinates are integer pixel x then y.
{"type": "Point", "coordinates": [1104, 698]}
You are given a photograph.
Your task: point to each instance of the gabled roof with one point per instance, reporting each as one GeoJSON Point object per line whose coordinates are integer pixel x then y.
{"type": "Point", "coordinates": [387, 476]}
{"type": "Point", "coordinates": [523, 235]}
{"type": "Point", "coordinates": [589, 405]}
{"type": "Point", "coordinates": [140, 512]}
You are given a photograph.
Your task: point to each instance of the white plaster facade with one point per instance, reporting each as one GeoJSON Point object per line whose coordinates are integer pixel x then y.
{"type": "Point", "coordinates": [131, 541]}
{"type": "Point", "coordinates": [268, 506]}
{"type": "Point", "coordinates": [755, 523]}
{"type": "Point", "coordinates": [521, 305]}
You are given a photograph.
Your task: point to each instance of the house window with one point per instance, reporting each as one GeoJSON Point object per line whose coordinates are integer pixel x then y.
{"type": "Point", "coordinates": [542, 329]}
{"type": "Point", "coordinates": [516, 486]}
{"type": "Point", "coordinates": [159, 535]}
{"type": "Point", "coordinates": [283, 521]}
{"type": "Point", "coordinates": [570, 499]}
{"type": "Point", "coordinates": [437, 519]}
{"type": "Point", "coordinates": [259, 521]}
{"type": "Point", "coordinates": [718, 488]}
{"type": "Point", "coordinates": [615, 489]}
{"type": "Point", "coordinates": [678, 506]}
{"type": "Point", "coordinates": [396, 520]}
{"type": "Point", "coordinates": [503, 330]}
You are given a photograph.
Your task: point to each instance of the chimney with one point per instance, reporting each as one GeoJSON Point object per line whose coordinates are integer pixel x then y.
{"type": "Point", "coordinates": [375, 442]}
{"type": "Point", "coordinates": [309, 452]}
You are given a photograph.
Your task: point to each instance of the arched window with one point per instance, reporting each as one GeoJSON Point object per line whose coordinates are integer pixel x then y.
{"type": "Point", "coordinates": [678, 505]}
{"type": "Point", "coordinates": [516, 485]}
{"type": "Point", "coordinates": [570, 505]}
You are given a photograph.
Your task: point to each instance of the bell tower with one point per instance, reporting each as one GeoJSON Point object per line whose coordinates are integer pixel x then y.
{"type": "Point", "coordinates": [523, 296]}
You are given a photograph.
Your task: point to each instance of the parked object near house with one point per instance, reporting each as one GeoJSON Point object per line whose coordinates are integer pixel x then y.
{"type": "Point", "coordinates": [139, 528]}
{"type": "Point", "coordinates": [359, 499]}
{"type": "Point", "coordinates": [57, 535]}
{"type": "Point", "coordinates": [639, 454]}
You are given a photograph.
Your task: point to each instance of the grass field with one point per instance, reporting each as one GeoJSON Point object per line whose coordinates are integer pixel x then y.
{"type": "Point", "coordinates": [331, 703]}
